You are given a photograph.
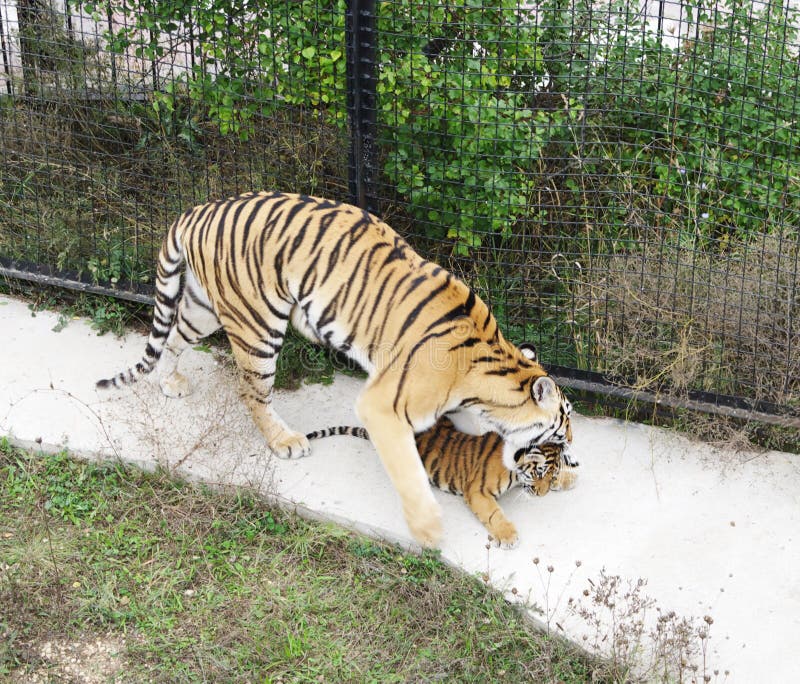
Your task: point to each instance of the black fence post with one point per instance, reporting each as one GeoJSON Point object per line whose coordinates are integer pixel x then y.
{"type": "Point", "coordinates": [361, 38]}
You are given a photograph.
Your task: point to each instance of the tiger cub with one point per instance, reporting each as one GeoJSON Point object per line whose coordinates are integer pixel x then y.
{"type": "Point", "coordinates": [253, 263]}
{"type": "Point", "coordinates": [472, 465]}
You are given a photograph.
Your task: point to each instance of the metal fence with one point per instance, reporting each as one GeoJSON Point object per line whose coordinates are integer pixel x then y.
{"type": "Point", "coordinates": [620, 179]}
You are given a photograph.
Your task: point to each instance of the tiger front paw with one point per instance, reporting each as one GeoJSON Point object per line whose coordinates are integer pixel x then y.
{"type": "Point", "coordinates": [504, 535]}
{"type": "Point", "coordinates": [425, 522]}
{"type": "Point", "coordinates": [565, 480]}
{"type": "Point", "coordinates": [290, 445]}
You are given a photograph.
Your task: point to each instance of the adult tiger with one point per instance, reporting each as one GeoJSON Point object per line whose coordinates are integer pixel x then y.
{"type": "Point", "coordinates": [344, 278]}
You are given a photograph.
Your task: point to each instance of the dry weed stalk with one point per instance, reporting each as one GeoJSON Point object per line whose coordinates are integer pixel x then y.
{"type": "Point", "coordinates": [212, 429]}
{"type": "Point", "coordinates": [637, 648]}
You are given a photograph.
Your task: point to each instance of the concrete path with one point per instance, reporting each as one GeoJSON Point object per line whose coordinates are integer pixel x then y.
{"type": "Point", "coordinates": [712, 532]}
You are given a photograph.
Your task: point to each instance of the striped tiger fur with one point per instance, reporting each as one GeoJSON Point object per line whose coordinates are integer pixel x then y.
{"type": "Point", "coordinates": [253, 263]}
{"type": "Point", "coordinates": [472, 465]}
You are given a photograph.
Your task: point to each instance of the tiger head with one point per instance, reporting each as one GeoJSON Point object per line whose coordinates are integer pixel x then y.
{"type": "Point", "coordinates": [528, 408]}
{"type": "Point", "coordinates": [539, 466]}
{"type": "Point", "coordinates": [545, 468]}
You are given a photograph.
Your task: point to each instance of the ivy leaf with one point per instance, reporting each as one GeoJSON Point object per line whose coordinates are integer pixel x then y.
{"type": "Point", "coordinates": [309, 52]}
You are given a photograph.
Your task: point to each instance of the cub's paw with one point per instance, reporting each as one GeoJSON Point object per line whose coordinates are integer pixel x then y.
{"type": "Point", "coordinates": [542, 486]}
{"type": "Point", "coordinates": [290, 445]}
{"type": "Point", "coordinates": [175, 385]}
{"type": "Point", "coordinates": [505, 535]}
{"type": "Point", "coordinates": [425, 522]}
{"type": "Point", "coordinates": [565, 480]}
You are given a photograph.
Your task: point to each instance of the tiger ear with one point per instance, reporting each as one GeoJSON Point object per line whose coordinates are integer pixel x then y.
{"type": "Point", "coordinates": [528, 351]}
{"type": "Point", "coordinates": [544, 390]}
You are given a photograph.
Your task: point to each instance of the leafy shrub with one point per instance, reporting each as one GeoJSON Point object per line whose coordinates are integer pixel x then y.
{"type": "Point", "coordinates": [238, 62]}
{"type": "Point", "coordinates": [459, 127]}
{"type": "Point", "coordinates": [701, 136]}
{"type": "Point", "coordinates": [454, 87]}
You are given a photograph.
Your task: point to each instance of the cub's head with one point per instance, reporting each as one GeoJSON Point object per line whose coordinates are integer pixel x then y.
{"type": "Point", "coordinates": [530, 468]}
{"type": "Point", "coordinates": [544, 468]}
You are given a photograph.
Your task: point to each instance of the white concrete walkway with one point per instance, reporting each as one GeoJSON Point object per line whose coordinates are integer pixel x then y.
{"type": "Point", "coordinates": [712, 532]}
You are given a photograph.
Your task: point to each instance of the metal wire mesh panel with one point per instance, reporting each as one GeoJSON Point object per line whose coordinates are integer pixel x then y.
{"type": "Point", "coordinates": [618, 178]}
{"type": "Point", "coordinates": [117, 116]}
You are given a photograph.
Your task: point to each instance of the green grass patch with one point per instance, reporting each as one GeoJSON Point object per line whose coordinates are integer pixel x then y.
{"type": "Point", "coordinates": [199, 586]}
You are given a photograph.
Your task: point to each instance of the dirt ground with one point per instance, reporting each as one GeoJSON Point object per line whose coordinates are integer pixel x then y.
{"type": "Point", "coordinates": [92, 659]}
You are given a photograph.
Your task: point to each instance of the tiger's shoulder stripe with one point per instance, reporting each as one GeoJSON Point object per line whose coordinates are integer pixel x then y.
{"type": "Point", "coordinates": [463, 310]}
{"type": "Point", "coordinates": [433, 294]}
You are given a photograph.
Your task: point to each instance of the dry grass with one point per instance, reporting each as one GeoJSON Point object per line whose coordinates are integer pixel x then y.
{"type": "Point", "coordinates": [640, 641]}
{"type": "Point", "coordinates": [90, 187]}
{"type": "Point", "coordinates": [672, 319]}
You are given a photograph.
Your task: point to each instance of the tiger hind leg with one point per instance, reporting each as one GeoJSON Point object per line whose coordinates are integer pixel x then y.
{"type": "Point", "coordinates": [257, 372]}
{"type": "Point", "coordinates": [194, 321]}
{"type": "Point", "coordinates": [300, 323]}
